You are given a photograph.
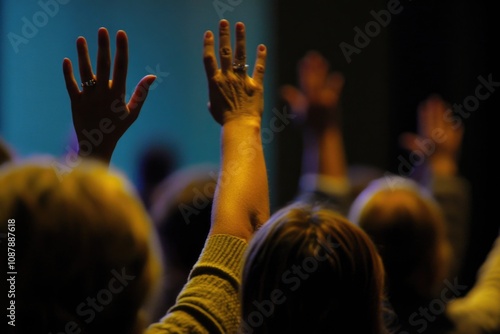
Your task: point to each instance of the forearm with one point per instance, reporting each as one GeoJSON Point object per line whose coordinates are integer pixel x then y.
{"type": "Point", "coordinates": [332, 161]}
{"type": "Point", "coordinates": [324, 175]}
{"type": "Point", "coordinates": [324, 153]}
{"type": "Point", "coordinates": [241, 202]}
{"type": "Point", "coordinates": [453, 195]}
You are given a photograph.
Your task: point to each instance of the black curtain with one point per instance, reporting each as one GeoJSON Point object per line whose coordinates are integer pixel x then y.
{"type": "Point", "coordinates": [427, 47]}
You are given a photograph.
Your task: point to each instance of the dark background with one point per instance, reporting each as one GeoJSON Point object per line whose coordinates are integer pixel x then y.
{"type": "Point", "coordinates": [429, 47]}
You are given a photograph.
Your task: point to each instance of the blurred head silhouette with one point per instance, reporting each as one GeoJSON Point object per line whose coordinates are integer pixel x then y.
{"type": "Point", "coordinates": [156, 162]}
{"type": "Point", "coordinates": [6, 154]}
{"type": "Point", "coordinates": [408, 227]}
{"type": "Point", "coordinates": [86, 255]}
{"type": "Point", "coordinates": [181, 209]}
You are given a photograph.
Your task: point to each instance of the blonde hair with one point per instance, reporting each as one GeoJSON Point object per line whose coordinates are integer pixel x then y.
{"type": "Point", "coordinates": [310, 270]}
{"type": "Point", "coordinates": [82, 239]}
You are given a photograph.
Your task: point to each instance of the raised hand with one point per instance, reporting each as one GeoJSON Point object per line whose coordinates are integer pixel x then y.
{"type": "Point", "coordinates": [237, 103]}
{"type": "Point", "coordinates": [316, 101]}
{"type": "Point", "coordinates": [232, 92]}
{"type": "Point", "coordinates": [101, 115]}
{"type": "Point", "coordinates": [317, 104]}
{"type": "Point", "coordinates": [439, 136]}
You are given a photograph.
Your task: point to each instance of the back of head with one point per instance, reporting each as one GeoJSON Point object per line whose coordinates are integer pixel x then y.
{"type": "Point", "coordinates": [155, 163]}
{"type": "Point", "coordinates": [181, 210]}
{"type": "Point", "coordinates": [309, 270]}
{"type": "Point", "coordinates": [6, 154]}
{"type": "Point", "coordinates": [85, 256]}
{"type": "Point", "coordinates": [408, 228]}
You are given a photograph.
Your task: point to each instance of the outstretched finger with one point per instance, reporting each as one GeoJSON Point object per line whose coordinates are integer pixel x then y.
{"type": "Point", "coordinates": [225, 53]}
{"type": "Point", "coordinates": [103, 57]}
{"type": "Point", "coordinates": [335, 82]}
{"type": "Point", "coordinates": [69, 78]}
{"type": "Point", "coordinates": [121, 61]}
{"type": "Point", "coordinates": [240, 55]}
{"type": "Point", "coordinates": [139, 96]}
{"type": "Point", "coordinates": [84, 64]}
{"type": "Point", "coordinates": [313, 74]}
{"type": "Point", "coordinates": [260, 64]}
{"type": "Point", "coordinates": [408, 141]}
{"type": "Point", "coordinates": [209, 59]}
{"type": "Point", "coordinates": [295, 99]}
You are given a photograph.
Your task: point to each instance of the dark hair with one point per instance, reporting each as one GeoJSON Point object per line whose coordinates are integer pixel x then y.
{"type": "Point", "coordinates": [181, 210]}
{"type": "Point", "coordinates": [310, 270]}
{"type": "Point", "coordinates": [155, 163]}
{"type": "Point", "coordinates": [6, 154]}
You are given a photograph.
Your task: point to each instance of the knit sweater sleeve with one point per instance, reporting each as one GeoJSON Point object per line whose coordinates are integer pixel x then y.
{"type": "Point", "coordinates": [209, 302]}
{"type": "Point", "coordinates": [479, 311]}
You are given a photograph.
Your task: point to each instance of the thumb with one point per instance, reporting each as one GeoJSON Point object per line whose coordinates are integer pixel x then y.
{"type": "Point", "coordinates": [69, 78]}
{"type": "Point", "coordinates": [140, 93]}
{"type": "Point", "coordinates": [335, 82]}
{"type": "Point", "coordinates": [408, 141]}
{"type": "Point", "coordinates": [294, 98]}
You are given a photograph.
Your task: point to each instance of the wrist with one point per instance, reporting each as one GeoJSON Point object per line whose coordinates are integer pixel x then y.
{"type": "Point", "coordinates": [320, 128]}
{"type": "Point", "coordinates": [98, 152]}
{"type": "Point", "coordinates": [444, 166]}
{"type": "Point", "coordinates": [314, 135]}
{"type": "Point", "coordinates": [243, 121]}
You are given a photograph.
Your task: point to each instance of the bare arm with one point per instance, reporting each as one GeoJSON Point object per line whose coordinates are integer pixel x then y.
{"type": "Point", "coordinates": [241, 202]}
{"type": "Point", "coordinates": [209, 302]}
{"type": "Point", "coordinates": [316, 103]}
{"type": "Point", "coordinates": [440, 137]}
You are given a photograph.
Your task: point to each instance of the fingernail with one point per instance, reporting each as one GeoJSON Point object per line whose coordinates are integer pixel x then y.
{"type": "Point", "coordinates": [208, 34]}
{"type": "Point", "coordinates": [224, 24]}
{"type": "Point", "coordinates": [151, 81]}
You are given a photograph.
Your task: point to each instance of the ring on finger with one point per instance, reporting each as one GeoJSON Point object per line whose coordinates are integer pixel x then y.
{"type": "Point", "coordinates": [89, 83]}
{"type": "Point", "coordinates": [240, 67]}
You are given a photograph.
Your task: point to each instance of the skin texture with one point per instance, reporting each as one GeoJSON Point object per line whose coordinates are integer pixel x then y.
{"type": "Point", "coordinates": [102, 109]}
{"type": "Point", "coordinates": [236, 102]}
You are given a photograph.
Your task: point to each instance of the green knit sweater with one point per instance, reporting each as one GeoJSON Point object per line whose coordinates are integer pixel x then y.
{"type": "Point", "coordinates": [209, 302]}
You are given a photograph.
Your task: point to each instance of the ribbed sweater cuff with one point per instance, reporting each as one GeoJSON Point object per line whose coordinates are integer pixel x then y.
{"type": "Point", "coordinates": [224, 252]}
